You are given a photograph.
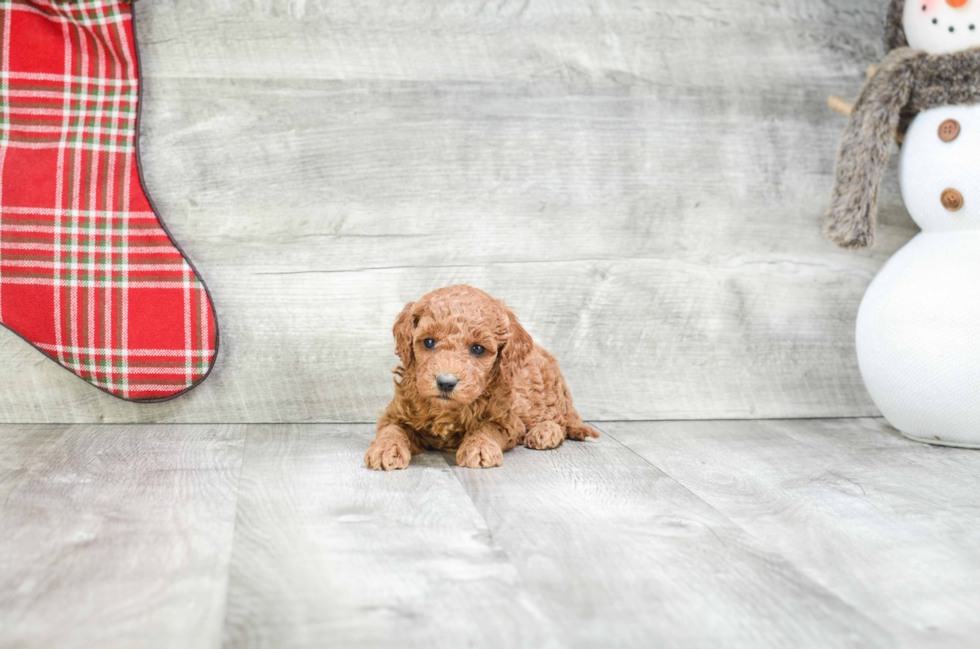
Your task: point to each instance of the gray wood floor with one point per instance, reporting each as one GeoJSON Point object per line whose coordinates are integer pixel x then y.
{"type": "Point", "coordinates": [812, 533]}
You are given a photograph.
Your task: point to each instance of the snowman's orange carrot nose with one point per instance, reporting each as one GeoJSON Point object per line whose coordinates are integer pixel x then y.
{"type": "Point", "coordinates": [956, 3]}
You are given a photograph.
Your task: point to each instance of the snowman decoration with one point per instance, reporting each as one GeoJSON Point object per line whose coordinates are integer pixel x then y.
{"type": "Point", "coordinates": [918, 328]}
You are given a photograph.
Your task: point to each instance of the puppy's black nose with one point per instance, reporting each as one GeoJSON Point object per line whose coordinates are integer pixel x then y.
{"type": "Point", "coordinates": [447, 382]}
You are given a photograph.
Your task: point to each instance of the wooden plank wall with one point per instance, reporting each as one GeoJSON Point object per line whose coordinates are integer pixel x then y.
{"type": "Point", "coordinates": [642, 180]}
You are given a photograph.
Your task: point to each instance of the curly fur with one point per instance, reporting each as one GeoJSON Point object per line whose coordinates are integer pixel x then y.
{"type": "Point", "coordinates": [906, 82]}
{"type": "Point", "coordinates": [511, 395]}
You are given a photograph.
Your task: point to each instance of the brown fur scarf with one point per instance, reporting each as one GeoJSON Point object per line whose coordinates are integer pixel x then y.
{"type": "Point", "coordinates": [894, 32]}
{"type": "Point", "coordinates": [907, 82]}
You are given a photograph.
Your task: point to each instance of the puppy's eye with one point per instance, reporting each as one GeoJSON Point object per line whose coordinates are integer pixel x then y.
{"type": "Point", "coordinates": [429, 343]}
{"type": "Point", "coordinates": [478, 350]}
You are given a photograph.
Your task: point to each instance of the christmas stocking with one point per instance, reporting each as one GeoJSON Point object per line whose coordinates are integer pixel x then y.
{"type": "Point", "coordinates": [88, 273]}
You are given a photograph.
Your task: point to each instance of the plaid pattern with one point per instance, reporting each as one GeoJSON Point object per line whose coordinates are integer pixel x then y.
{"type": "Point", "coordinates": [87, 273]}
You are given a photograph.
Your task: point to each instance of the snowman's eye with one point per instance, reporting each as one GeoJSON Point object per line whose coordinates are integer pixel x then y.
{"type": "Point", "coordinates": [935, 21]}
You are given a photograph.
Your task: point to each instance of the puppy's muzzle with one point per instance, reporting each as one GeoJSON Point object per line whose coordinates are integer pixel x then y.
{"type": "Point", "coordinates": [447, 382]}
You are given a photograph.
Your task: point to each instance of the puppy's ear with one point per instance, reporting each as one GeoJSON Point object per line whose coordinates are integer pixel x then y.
{"type": "Point", "coordinates": [403, 330]}
{"type": "Point", "coordinates": [517, 347]}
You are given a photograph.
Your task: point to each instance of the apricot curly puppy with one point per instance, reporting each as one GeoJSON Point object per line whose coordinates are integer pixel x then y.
{"type": "Point", "coordinates": [471, 380]}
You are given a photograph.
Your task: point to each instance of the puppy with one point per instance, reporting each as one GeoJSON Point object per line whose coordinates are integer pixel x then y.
{"type": "Point", "coordinates": [472, 381]}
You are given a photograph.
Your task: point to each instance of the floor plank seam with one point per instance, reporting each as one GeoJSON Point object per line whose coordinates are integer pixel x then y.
{"type": "Point", "coordinates": [674, 479]}
{"type": "Point", "coordinates": [486, 524]}
{"type": "Point", "coordinates": [231, 539]}
{"type": "Point", "coordinates": [761, 543]}
{"type": "Point", "coordinates": [539, 602]}
{"type": "Point", "coordinates": [684, 486]}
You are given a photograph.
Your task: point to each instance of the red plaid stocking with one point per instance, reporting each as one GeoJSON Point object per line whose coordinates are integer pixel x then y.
{"type": "Point", "coordinates": [88, 273]}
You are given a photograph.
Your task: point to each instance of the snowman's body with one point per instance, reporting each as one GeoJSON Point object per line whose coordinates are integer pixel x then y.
{"type": "Point", "coordinates": [918, 329]}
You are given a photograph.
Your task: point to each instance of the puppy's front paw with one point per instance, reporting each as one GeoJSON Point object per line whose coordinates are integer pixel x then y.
{"type": "Point", "coordinates": [479, 453]}
{"type": "Point", "coordinates": [388, 455]}
{"type": "Point", "coordinates": [544, 435]}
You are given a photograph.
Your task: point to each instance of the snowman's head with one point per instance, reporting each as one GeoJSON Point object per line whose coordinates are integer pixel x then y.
{"type": "Point", "coordinates": [942, 26]}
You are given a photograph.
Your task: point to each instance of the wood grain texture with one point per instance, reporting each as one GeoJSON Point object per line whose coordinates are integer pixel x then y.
{"type": "Point", "coordinates": [330, 554]}
{"type": "Point", "coordinates": [115, 536]}
{"type": "Point", "coordinates": [674, 534]}
{"type": "Point", "coordinates": [622, 555]}
{"type": "Point", "coordinates": [642, 181]}
{"type": "Point", "coordinates": [588, 545]}
{"type": "Point", "coordinates": [888, 525]}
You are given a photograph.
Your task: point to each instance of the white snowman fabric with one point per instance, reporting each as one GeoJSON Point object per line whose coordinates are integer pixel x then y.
{"type": "Point", "coordinates": [942, 26]}
{"type": "Point", "coordinates": [918, 328]}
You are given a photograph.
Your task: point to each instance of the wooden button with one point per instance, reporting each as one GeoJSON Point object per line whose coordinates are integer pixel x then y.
{"type": "Point", "coordinates": [952, 200]}
{"type": "Point", "coordinates": [949, 130]}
